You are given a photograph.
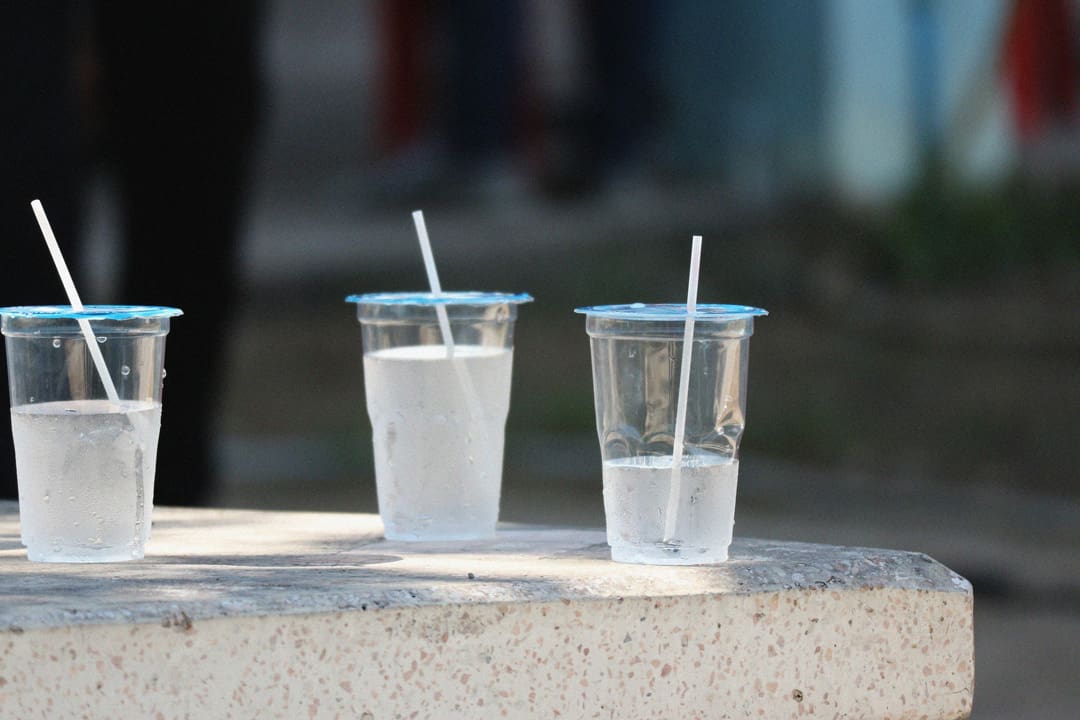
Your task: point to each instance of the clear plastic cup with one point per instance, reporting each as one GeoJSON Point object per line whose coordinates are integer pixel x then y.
{"type": "Point", "coordinates": [636, 357]}
{"type": "Point", "coordinates": [438, 422]}
{"type": "Point", "coordinates": [85, 463]}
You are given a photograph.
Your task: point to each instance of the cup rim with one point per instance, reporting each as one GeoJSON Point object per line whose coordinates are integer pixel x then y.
{"type": "Point", "coordinates": [445, 298]}
{"type": "Point", "coordinates": [89, 312]}
{"type": "Point", "coordinates": [667, 312]}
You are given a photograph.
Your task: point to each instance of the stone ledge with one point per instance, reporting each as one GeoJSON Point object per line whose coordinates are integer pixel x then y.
{"type": "Point", "coordinates": [241, 613]}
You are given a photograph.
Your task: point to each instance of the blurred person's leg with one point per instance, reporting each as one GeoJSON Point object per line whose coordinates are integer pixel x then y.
{"type": "Point", "coordinates": [180, 99]}
{"type": "Point", "coordinates": [622, 61]}
{"type": "Point", "coordinates": [40, 157]}
{"type": "Point", "coordinates": [485, 80]}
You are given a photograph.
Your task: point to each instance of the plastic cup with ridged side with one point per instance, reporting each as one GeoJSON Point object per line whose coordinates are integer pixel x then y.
{"type": "Point", "coordinates": [637, 360]}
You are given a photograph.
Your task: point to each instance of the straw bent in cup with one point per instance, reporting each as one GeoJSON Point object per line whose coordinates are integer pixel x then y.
{"type": "Point", "coordinates": [90, 337]}
{"type": "Point", "coordinates": [672, 518]}
{"type": "Point", "coordinates": [472, 400]}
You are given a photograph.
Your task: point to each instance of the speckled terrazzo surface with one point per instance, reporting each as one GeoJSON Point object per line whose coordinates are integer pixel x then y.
{"type": "Point", "coordinates": [254, 614]}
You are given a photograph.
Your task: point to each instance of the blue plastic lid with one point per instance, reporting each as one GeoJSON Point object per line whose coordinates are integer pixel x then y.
{"type": "Point", "coordinates": [446, 298]}
{"type": "Point", "coordinates": [90, 312]}
{"type": "Point", "coordinates": [670, 312]}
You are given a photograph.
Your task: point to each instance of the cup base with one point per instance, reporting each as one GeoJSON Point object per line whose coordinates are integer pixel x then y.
{"type": "Point", "coordinates": [82, 555]}
{"type": "Point", "coordinates": [668, 555]}
{"type": "Point", "coordinates": [433, 535]}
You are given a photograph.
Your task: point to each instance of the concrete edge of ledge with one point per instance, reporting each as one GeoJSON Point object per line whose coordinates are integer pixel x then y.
{"type": "Point", "coordinates": [313, 614]}
{"type": "Point", "coordinates": [877, 652]}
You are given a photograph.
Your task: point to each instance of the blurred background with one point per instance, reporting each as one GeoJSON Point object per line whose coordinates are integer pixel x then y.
{"type": "Point", "coordinates": [897, 181]}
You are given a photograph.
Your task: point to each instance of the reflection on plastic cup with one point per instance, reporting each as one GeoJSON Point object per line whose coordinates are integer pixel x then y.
{"type": "Point", "coordinates": [636, 356]}
{"type": "Point", "coordinates": [438, 414]}
{"type": "Point", "coordinates": [85, 463]}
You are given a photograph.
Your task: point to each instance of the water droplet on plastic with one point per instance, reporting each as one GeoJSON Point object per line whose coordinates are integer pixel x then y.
{"type": "Point", "coordinates": [46, 498]}
{"type": "Point", "coordinates": [693, 499]}
{"type": "Point", "coordinates": [163, 373]}
{"type": "Point", "coordinates": [125, 370]}
{"type": "Point", "coordinates": [56, 342]}
{"type": "Point", "coordinates": [71, 498]}
{"type": "Point", "coordinates": [471, 460]}
{"type": "Point", "coordinates": [101, 339]}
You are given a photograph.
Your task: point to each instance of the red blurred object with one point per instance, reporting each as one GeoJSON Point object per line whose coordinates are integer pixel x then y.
{"type": "Point", "coordinates": [1040, 65]}
{"type": "Point", "coordinates": [405, 78]}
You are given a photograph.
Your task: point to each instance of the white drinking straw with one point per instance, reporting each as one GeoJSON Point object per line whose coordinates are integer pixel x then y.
{"type": "Point", "coordinates": [76, 303]}
{"type": "Point", "coordinates": [433, 280]}
{"type": "Point", "coordinates": [684, 389]}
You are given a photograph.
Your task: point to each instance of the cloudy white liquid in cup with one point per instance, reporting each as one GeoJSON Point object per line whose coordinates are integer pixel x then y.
{"type": "Point", "coordinates": [438, 461]}
{"type": "Point", "coordinates": [86, 478]}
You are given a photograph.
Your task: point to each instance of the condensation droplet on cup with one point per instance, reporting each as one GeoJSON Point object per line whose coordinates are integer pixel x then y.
{"type": "Point", "coordinates": [56, 342]}
{"type": "Point", "coordinates": [125, 370]}
{"type": "Point", "coordinates": [101, 339]}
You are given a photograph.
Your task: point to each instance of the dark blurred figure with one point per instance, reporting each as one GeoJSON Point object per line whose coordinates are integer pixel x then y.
{"type": "Point", "coordinates": [179, 95]}
{"type": "Point", "coordinates": [600, 138]}
{"type": "Point", "coordinates": [484, 84]}
{"type": "Point", "coordinates": [622, 106]}
{"type": "Point", "coordinates": [40, 157]}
